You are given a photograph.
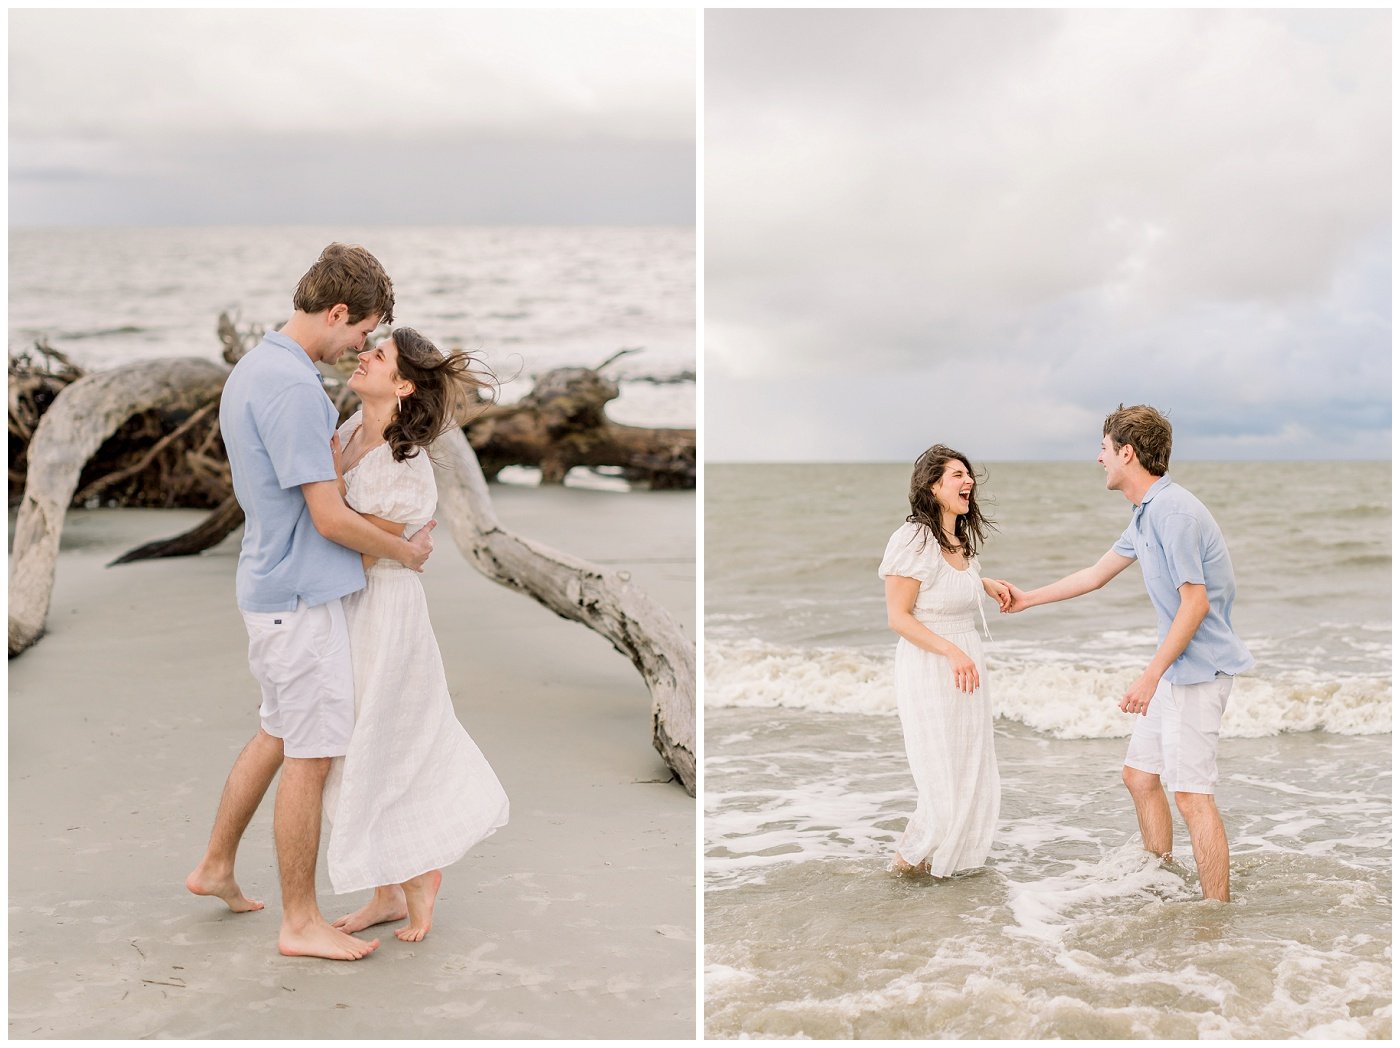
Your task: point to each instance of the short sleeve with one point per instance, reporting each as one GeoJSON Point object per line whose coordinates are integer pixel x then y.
{"type": "Point", "coordinates": [404, 492]}
{"type": "Point", "coordinates": [1181, 548]}
{"type": "Point", "coordinates": [295, 430]}
{"type": "Point", "coordinates": [1124, 546]}
{"type": "Point", "coordinates": [906, 554]}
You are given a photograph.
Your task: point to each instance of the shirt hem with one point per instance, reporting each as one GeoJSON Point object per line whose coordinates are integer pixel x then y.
{"type": "Point", "coordinates": [312, 600]}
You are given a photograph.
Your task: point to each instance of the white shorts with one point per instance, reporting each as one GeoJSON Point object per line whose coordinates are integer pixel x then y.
{"type": "Point", "coordinates": [1177, 739]}
{"type": "Point", "coordinates": [301, 660]}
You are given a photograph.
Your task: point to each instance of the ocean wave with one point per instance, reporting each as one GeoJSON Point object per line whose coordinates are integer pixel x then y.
{"type": "Point", "coordinates": [74, 336]}
{"type": "Point", "coordinates": [1058, 699]}
{"type": "Point", "coordinates": [1371, 510]}
{"type": "Point", "coordinates": [1366, 560]}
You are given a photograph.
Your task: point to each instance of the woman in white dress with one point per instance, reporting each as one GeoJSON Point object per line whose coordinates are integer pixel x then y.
{"type": "Point", "coordinates": [933, 597]}
{"type": "Point", "coordinates": [413, 792]}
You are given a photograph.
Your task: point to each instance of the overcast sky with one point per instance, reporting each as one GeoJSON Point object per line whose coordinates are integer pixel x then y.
{"type": "Point", "coordinates": [988, 228]}
{"type": "Point", "coordinates": [174, 117]}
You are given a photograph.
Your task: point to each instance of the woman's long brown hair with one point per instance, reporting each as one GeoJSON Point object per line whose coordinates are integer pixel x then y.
{"type": "Point", "coordinates": [970, 529]}
{"type": "Point", "coordinates": [446, 392]}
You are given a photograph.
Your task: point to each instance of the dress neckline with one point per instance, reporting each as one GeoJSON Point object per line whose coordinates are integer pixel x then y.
{"type": "Point", "coordinates": [367, 454]}
{"type": "Point", "coordinates": [960, 571]}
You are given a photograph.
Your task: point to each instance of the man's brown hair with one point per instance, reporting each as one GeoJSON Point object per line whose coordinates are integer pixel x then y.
{"type": "Point", "coordinates": [347, 273]}
{"type": "Point", "coordinates": [1147, 430]}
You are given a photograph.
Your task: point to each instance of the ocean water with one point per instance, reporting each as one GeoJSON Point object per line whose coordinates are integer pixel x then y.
{"type": "Point", "coordinates": [526, 299]}
{"type": "Point", "coordinates": [1070, 930]}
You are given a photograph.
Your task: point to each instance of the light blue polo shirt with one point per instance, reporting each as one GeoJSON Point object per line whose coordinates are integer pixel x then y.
{"type": "Point", "coordinates": [1176, 540]}
{"type": "Point", "coordinates": [277, 423]}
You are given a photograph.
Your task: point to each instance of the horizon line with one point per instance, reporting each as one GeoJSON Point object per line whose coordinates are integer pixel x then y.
{"type": "Point", "coordinates": [1010, 461]}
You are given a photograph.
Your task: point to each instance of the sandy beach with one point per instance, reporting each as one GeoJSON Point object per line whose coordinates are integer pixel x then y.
{"type": "Point", "coordinates": [575, 920]}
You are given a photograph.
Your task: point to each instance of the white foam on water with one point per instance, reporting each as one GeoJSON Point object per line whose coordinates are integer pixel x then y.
{"type": "Point", "coordinates": [1047, 908]}
{"type": "Point", "coordinates": [1053, 695]}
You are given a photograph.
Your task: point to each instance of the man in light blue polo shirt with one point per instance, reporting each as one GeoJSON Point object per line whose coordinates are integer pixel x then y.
{"type": "Point", "coordinates": [300, 554]}
{"type": "Point", "coordinates": [1181, 695]}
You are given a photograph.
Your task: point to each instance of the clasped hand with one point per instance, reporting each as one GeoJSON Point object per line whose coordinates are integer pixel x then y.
{"type": "Point", "coordinates": [1009, 599]}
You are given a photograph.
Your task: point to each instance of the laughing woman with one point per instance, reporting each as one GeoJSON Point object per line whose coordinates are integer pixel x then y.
{"type": "Point", "coordinates": [413, 792]}
{"type": "Point", "coordinates": [933, 597]}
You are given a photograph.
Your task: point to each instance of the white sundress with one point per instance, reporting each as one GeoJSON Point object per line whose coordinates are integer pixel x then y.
{"type": "Point", "coordinates": [413, 792]}
{"type": "Point", "coordinates": [947, 732]}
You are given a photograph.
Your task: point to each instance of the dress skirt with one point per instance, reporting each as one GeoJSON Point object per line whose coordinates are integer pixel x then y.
{"type": "Point", "coordinates": [948, 739]}
{"type": "Point", "coordinates": [413, 792]}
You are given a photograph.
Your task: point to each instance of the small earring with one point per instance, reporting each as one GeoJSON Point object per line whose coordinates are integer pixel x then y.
{"type": "Point", "coordinates": [400, 400]}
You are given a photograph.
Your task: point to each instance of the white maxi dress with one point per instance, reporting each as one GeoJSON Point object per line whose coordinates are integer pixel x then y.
{"type": "Point", "coordinates": [413, 792]}
{"type": "Point", "coordinates": [947, 732]}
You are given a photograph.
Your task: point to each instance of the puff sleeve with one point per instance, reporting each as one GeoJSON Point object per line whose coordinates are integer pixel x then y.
{"type": "Point", "coordinates": [906, 554]}
{"type": "Point", "coordinates": [399, 491]}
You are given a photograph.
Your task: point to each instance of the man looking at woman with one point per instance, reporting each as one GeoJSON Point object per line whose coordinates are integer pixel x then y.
{"type": "Point", "coordinates": [300, 555]}
{"type": "Point", "coordinates": [1181, 694]}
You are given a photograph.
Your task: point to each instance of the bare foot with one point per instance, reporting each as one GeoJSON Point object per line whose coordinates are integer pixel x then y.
{"type": "Point", "coordinates": [387, 904]}
{"type": "Point", "coordinates": [421, 893]}
{"type": "Point", "coordinates": [908, 869]}
{"type": "Point", "coordinates": [204, 881]}
{"type": "Point", "coordinates": [319, 939]}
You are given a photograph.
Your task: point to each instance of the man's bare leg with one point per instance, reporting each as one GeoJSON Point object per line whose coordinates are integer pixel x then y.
{"type": "Point", "coordinates": [421, 894]}
{"type": "Point", "coordinates": [296, 826]}
{"type": "Point", "coordinates": [387, 904]}
{"type": "Point", "coordinates": [1208, 843]}
{"type": "Point", "coordinates": [247, 783]}
{"type": "Point", "coordinates": [1154, 815]}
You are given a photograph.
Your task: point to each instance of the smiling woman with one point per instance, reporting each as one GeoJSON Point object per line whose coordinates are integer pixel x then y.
{"type": "Point", "coordinates": [1006, 222]}
{"type": "Point", "coordinates": [932, 589]}
{"type": "Point", "coordinates": [528, 178]}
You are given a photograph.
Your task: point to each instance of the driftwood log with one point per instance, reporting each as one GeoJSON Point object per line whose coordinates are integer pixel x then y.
{"type": "Point", "coordinates": [80, 415]}
{"type": "Point", "coordinates": [561, 424]}
{"type": "Point", "coordinates": [81, 418]}
{"type": "Point", "coordinates": [161, 459]}
{"type": "Point", "coordinates": [604, 601]}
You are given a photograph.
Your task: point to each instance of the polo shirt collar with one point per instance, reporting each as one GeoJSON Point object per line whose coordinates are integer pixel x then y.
{"type": "Point", "coordinates": [293, 346]}
{"type": "Point", "coordinates": [1159, 485]}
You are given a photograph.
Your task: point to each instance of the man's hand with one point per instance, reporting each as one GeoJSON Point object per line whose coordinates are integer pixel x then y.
{"type": "Point", "coordinates": [1016, 599]}
{"type": "Point", "coordinates": [420, 546]}
{"type": "Point", "coordinates": [1136, 698]}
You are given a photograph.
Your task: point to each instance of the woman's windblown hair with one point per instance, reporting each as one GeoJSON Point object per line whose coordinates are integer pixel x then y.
{"type": "Point", "coordinates": [971, 526]}
{"type": "Point", "coordinates": [447, 392]}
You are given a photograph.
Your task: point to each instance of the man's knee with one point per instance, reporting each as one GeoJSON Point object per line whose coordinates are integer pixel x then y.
{"type": "Point", "coordinates": [1141, 783]}
{"type": "Point", "coordinates": [1194, 805]}
{"type": "Point", "coordinates": [306, 768]}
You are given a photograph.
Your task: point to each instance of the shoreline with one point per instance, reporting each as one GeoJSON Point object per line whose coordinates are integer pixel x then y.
{"type": "Point", "coordinates": [575, 920]}
{"type": "Point", "coordinates": [1069, 931]}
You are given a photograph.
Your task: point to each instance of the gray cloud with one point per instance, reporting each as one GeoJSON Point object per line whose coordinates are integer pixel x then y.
{"type": "Point", "coordinates": [1052, 209]}
{"type": "Point", "coordinates": [388, 116]}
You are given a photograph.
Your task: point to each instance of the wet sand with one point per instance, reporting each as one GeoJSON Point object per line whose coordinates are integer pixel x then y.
{"type": "Point", "coordinates": [575, 920]}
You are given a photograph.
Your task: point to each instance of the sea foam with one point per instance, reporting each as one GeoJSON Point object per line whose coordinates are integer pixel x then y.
{"type": "Point", "coordinates": [1060, 698]}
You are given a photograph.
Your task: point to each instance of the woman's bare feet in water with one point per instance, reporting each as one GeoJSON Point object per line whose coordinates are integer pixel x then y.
{"type": "Point", "coordinates": [901, 867]}
{"type": "Point", "coordinates": [421, 894]}
{"type": "Point", "coordinates": [220, 884]}
{"type": "Point", "coordinates": [318, 939]}
{"type": "Point", "coordinates": [387, 904]}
